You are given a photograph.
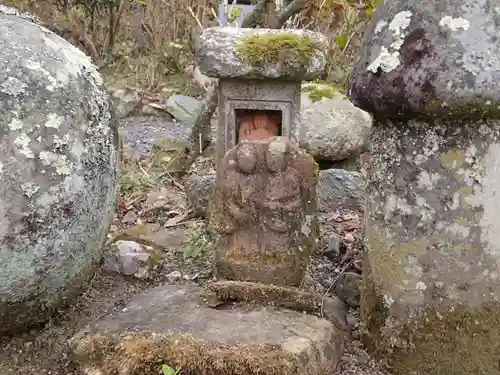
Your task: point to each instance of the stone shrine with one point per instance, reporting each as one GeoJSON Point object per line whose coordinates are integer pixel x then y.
{"type": "Point", "coordinates": [260, 73]}
{"type": "Point", "coordinates": [251, 321]}
{"type": "Point", "coordinates": [429, 74]}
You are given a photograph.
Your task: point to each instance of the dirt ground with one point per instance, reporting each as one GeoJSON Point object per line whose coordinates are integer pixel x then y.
{"type": "Point", "coordinates": [43, 350]}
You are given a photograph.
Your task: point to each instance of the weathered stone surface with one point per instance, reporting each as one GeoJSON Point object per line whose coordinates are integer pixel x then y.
{"type": "Point", "coordinates": [432, 247]}
{"type": "Point", "coordinates": [340, 189]}
{"type": "Point", "coordinates": [58, 167]}
{"type": "Point", "coordinates": [288, 54]}
{"type": "Point", "coordinates": [431, 285]}
{"type": "Point", "coordinates": [171, 324]}
{"type": "Point", "coordinates": [183, 108]}
{"type": "Point", "coordinates": [430, 59]}
{"type": "Point", "coordinates": [333, 128]}
{"type": "Point", "coordinates": [347, 288]}
{"type": "Point", "coordinates": [199, 192]}
{"type": "Point", "coordinates": [265, 208]}
{"type": "Point", "coordinates": [336, 189]}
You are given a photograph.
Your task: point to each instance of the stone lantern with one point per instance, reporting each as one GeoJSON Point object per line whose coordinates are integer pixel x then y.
{"type": "Point", "coordinates": [260, 73]}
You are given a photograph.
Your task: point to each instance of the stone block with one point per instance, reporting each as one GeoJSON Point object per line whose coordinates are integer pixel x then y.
{"type": "Point", "coordinates": [172, 325]}
{"type": "Point", "coordinates": [241, 53]}
{"type": "Point", "coordinates": [258, 96]}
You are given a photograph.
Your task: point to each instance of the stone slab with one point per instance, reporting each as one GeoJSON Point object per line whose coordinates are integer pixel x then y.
{"type": "Point", "coordinates": [217, 55]}
{"type": "Point", "coordinates": [258, 340]}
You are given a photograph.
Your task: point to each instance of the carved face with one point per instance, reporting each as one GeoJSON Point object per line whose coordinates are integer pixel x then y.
{"type": "Point", "coordinates": [258, 126]}
{"type": "Point", "coordinates": [276, 155]}
{"type": "Point", "coordinates": [246, 157]}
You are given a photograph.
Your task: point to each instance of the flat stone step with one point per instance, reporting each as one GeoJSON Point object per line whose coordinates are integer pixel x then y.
{"type": "Point", "coordinates": [172, 325]}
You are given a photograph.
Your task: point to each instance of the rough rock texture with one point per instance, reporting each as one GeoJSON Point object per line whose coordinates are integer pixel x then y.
{"type": "Point", "coordinates": [336, 188]}
{"type": "Point", "coordinates": [218, 55]}
{"type": "Point", "coordinates": [432, 247]}
{"type": "Point", "coordinates": [183, 108]}
{"type": "Point", "coordinates": [426, 58]}
{"type": "Point", "coordinates": [431, 274]}
{"type": "Point", "coordinates": [58, 167]}
{"type": "Point", "coordinates": [333, 128]}
{"type": "Point", "coordinates": [265, 209]}
{"type": "Point", "coordinates": [199, 192]}
{"type": "Point", "coordinates": [172, 325]}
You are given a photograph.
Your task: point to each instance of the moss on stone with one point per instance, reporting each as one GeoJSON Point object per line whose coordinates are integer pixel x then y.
{"type": "Point", "coordinates": [141, 353]}
{"type": "Point", "coordinates": [287, 48]}
{"type": "Point", "coordinates": [279, 296]}
{"type": "Point", "coordinates": [317, 92]}
{"type": "Point", "coordinates": [454, 342]}
{"type": "Point", "coordinates": [445, 340]}
{"type": "Point", "coordinates": [474, 109]}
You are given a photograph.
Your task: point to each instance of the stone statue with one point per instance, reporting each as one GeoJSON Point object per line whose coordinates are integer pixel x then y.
{"type": "Point", "coordinates": [264, 206]}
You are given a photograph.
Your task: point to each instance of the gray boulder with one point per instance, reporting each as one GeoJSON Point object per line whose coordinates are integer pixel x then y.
{"type": "Point", "coordinates": [333, 128]}
{"type": "Point", "coordinates": [430, 59]}
{"type": "Point", "coordinates": [183, 108]}
{"type": "Point", "coordinates": [338, 188]}
{"type": "Point", "coordinates": [59, 170]}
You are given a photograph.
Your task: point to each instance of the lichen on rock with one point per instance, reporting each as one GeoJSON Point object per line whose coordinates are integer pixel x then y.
{"type": "Point", "coordinates": [59, 170]}
{"type": "Point", "coordinates": [431, 260]}
{"type": "Point", "coordinates": [426, 59]}
{"type": "Point", "coordinates": [431, 279]}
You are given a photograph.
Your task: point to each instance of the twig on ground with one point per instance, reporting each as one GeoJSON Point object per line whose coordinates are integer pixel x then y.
{"type": "Point", "coordinates": [342, 271]}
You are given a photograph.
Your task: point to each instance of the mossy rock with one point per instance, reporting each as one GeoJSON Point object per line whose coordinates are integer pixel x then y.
{"type": "Point", "coordinates": [246, 53]}
{"type": "Point", "coordinates": [286, 48]}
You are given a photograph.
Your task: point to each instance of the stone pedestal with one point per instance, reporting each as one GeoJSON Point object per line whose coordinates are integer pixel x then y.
{"type": "Point", "coordinates": [172, 325]}
{"type": "Point", "coordinates": [428, 72]}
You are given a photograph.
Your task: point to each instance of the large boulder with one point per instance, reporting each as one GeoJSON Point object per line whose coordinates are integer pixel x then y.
{"type": "Point", "coordinates": [429, 73]}
{"type": "Point", "coordinates": [59, 170]}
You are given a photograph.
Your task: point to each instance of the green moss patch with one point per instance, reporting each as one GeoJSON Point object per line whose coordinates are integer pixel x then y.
{"type": "Point", "coordinates": [287, 48]}
{"type": "Point", "coordinates": [317, 92]}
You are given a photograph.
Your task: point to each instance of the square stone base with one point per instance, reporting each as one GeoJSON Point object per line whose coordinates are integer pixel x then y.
{"type": "Point", "coordinates": [172, 325]}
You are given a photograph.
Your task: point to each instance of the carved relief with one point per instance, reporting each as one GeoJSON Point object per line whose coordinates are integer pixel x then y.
{"type": "Point", "coordinates": [264, 203]}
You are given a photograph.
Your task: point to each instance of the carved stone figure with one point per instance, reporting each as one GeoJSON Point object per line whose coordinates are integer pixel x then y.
{"type": "Point", "coordinates": [257, 126]}
{"type": "Point", "coordinates": [264, 206]}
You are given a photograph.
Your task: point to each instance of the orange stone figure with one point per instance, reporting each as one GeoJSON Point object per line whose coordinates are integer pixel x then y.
{"type": "Point", "coordinates": [265, 209]}
{"type": "Point", "coordinates": [258, 125]}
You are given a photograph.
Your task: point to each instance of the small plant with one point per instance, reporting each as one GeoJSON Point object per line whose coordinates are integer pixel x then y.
{"type": "Point", "coordinates": [199, 240]}
{"type": "Point", "coordinates": [167, 370]}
